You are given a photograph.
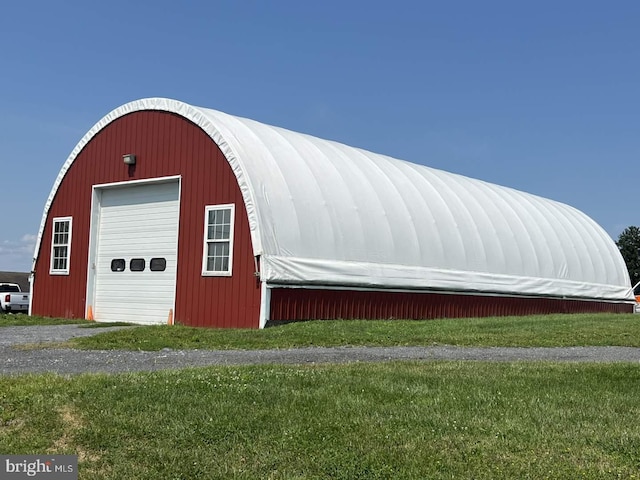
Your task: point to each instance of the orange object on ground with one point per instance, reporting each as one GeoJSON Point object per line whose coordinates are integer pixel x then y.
{"type": "Point", "coordinates": [90, 314]}
{"type": "Point", "coordinates": [170, 319]}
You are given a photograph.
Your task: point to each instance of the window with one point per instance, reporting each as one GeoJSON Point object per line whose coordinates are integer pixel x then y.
{"type": "Point", "coordinates": [218, 240]}
{"type": "Point", "coordinates": [158, 264]}
{"type": "Point", "coordinates": [137, 264]}
{"type": "Point", "coordinates": [61, 246]}
{"type": "Point", "coordinates": [4, 288]}
{"type": "Point", "coordinates": [118, 264]}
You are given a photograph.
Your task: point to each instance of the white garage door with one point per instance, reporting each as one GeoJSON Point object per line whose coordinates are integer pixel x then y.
{"type": "Point", "coordinates": [136, 257]}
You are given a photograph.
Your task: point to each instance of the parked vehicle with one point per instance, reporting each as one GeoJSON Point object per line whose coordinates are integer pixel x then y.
{"type": "Point", "coordinates": [12, 299]}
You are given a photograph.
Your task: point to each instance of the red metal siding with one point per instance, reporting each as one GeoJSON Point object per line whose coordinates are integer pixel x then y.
{"type": "Point", "coordinates": [309, 304]}
{"type": "Point", "coordinates": [164, 144]}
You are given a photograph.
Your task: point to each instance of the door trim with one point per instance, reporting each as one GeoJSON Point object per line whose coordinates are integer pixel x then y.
{"type": "Point", "coordinates": [94, 224]}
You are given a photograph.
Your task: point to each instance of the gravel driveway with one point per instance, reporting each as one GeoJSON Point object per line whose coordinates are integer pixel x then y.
{"type": "Point", "coordinates": [67, 361]}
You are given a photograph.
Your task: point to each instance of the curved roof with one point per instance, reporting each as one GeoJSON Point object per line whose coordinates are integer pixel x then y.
{"type": "Point", "coordinates": [323, 213]}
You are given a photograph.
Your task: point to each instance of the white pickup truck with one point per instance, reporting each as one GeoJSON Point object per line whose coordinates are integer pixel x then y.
{"type": "Point", "coordinates": [12, 299]}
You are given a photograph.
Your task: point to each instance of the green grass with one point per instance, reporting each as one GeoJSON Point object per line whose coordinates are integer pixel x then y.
{"type": "Point", "coordinates": [543, 331]}
{"type": "Point", "coordinates": [392, 420]}
{"type": "Point", "coordinates": [537, 330]}
{"type": "Point", "coordinates": [22, 320]}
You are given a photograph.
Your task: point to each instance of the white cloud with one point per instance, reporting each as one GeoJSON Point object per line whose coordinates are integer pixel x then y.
{"type": "Point", "coordinates": [29, 238]}
{"type": "Point", "coordinates": [16, 255]}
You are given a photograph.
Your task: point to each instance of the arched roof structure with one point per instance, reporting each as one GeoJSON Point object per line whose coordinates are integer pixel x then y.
{"type": "Point", "coordinates": [323, 213]}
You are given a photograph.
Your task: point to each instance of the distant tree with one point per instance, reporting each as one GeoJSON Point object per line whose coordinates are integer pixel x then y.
{"type": "Point", "coordinates": [629, 245]}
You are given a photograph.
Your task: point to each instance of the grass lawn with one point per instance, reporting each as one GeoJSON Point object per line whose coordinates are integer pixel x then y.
{"type": "Point", "coordinates": [389, 420]}
{"type": "Point", "coordinates": [392, 420]}
{"type": "Point", "coordinates": [20, 320]}
{"type": "Point", "coordinates": [542, 330]}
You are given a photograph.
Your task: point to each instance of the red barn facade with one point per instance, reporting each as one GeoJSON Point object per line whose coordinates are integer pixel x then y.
{"type": "Point", "coordinates": [168, 210]}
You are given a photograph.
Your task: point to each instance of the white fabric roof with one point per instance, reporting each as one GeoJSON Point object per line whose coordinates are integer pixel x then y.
{"type": "Point", "coordinates": [323, 213]}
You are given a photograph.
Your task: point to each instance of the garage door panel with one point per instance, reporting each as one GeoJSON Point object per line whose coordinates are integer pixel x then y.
{"type": "Point", "coordinates": [139, 219]}
{"type": "Point", "coordinates": [152, 245]}
{"type": "Point", "coordinates": [149, 237]}
{"type": "Point", "coordinates": [130, 314]}
{"type": "Point", "coordinates": [137, 222]}
{"type": "Point", "coordinates": [140, 195]}
{"type": "Point", "coordinates": [150, 292]}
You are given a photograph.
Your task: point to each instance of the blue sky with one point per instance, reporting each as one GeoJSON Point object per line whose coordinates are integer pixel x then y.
{"type": "Point", "coordinates": [539, 96]}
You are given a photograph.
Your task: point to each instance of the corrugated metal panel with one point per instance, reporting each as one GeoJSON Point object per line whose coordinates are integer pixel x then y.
{"type": "Point", "coordinates": [165, 145]}
{"type": "Point", "coordinates": [310, 304]}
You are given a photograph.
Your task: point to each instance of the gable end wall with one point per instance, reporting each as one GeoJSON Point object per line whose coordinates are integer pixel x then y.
{"type": "Point", "coordinates": [165, 145]}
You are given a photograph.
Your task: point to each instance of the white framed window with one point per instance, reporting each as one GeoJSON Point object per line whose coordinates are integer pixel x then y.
{"type": "Point", "coordinates": [217, 256]}
{"type": "Point", "coordinates": [60, 246]}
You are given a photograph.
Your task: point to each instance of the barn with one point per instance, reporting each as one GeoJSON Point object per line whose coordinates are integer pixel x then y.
{"type": "Point", "coordinates": [167, 210]}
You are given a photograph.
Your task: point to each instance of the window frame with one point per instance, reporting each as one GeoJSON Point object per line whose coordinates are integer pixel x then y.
{"type": "Point", "coordinates": [60, 271]}
{"type": "Point", "coordinates": [206, 241]}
